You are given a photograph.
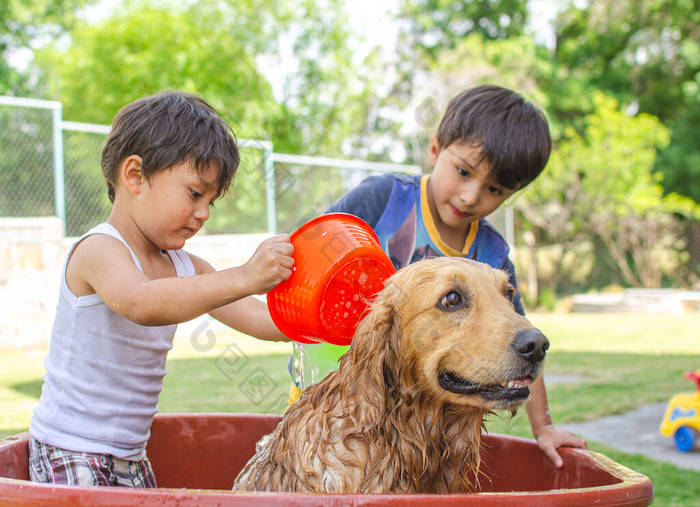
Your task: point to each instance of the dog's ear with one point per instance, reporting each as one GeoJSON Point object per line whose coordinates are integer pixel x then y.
{"type": "Point", "coordinates": [372, 361]}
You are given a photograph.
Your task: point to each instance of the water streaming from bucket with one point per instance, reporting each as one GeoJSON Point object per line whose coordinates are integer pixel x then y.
{"type": "Point", "coordinates": [311, 362]}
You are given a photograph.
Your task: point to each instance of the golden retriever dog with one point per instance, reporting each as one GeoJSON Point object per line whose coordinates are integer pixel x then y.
{"type": "Point", "coordinates": [441, 347]}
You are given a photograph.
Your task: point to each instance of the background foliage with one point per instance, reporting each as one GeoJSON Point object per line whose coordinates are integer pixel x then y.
{"type": "Point", "coordinates": [619, 81]}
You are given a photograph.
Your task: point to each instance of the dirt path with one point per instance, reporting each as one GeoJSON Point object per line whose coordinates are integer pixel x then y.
{"type": "Point", "coordinates": [637, 432]}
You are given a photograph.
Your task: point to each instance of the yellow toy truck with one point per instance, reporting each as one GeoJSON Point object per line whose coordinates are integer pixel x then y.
{"type": "Point", "coordinates": [682, 418]}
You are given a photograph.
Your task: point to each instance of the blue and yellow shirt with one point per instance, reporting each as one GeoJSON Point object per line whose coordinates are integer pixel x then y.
{"type": "Point", "coordinates": [396, 206]}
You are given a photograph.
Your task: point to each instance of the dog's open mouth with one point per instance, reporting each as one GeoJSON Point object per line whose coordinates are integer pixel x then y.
{"type": "Point", "coordinates": [513, 389]}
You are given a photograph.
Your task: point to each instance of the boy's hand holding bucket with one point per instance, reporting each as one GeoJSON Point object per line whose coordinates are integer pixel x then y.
{"type": "Point", "coordinates": [270, 264]}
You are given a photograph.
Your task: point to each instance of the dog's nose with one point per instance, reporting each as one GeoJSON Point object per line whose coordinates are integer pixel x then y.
{"type": "Point", "coordinates": [531, 345]}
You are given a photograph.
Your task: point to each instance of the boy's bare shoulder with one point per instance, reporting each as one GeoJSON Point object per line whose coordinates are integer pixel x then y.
{"type": "Point", "coordinates": [98, 246]}
{"type": "Point", "coordinates": [90, 256]}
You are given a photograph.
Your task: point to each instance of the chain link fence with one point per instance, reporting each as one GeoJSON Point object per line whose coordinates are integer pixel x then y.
{"type": "Point", "coordinates": [86, 198]}
{"type": "Point", "coordinates": [26, 162]}
{"type": "Point", "coordinates": [41, 175]}
{"type": "Point", "coordinates": [307, 186]}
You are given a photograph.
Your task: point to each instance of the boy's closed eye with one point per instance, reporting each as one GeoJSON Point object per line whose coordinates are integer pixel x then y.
{"type": "Point", "coordinates": [466, 173]}
{"type": "Point", "coordinates": [198, 195]}
{"type": "Point", "coordinates": [462, 172]}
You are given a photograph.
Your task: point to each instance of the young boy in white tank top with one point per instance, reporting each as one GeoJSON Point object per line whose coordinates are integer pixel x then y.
{"type": "Point", "coordinates": [127, 283]}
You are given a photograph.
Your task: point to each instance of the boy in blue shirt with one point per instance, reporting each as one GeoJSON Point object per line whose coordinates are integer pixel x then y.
{"type": "Point", "coordinates": [490, 143]}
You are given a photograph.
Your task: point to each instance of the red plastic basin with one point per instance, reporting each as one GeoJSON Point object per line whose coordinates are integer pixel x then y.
{"type": "Point", "coordinates": [195, 456]}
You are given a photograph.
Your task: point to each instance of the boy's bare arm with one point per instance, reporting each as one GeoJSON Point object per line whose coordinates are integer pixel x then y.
{"type": "Point", "coordinates": [106, 266]}
{"type": "Point", "coordinates": [536, 407]}
{"type": "Point", "coordinates": [248, 315]}
{"type": "Point", "coordinates": [549, 437]}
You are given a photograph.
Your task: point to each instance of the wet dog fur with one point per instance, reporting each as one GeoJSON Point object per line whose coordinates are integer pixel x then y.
{"type": "Point", "coordinates": [440, 348]}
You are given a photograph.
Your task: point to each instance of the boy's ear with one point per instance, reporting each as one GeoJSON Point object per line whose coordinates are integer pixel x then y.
{"type": "Point", "coordinates": [434, 150]}
{"type": "Point", "coordinates": [131, 173]}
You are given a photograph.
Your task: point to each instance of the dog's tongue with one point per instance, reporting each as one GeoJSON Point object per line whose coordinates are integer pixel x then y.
{"type": "Point", "coordinates": [518, 383]}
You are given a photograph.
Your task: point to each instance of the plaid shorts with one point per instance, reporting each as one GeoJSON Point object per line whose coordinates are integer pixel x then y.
{"type": "Point", "coordinates": [58, 466]}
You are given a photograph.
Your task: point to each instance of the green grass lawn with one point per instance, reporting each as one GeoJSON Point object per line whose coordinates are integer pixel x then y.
{"type": "Point", "coordinates": [624, 361]}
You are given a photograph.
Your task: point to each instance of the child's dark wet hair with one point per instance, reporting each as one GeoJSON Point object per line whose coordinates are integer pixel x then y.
{"type": "Point", "coordinates": [167, 129]}
{"type": "Point", "coordinates": [513, 133]}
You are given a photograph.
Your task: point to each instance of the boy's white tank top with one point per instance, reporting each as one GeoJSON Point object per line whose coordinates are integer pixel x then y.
{"type": "Point", "coordinates": [104, 373]}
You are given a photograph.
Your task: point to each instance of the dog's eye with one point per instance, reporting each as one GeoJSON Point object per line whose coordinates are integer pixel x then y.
{"type": "Point", "coordinates": [451, 301]}
{"type": "Point", "coordinates": [510, 293]}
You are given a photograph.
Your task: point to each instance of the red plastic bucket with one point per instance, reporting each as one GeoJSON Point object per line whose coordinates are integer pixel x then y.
{"type": "Point", "coordinates": [339, 266]}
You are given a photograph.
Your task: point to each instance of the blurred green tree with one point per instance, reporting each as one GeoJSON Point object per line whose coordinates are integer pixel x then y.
{"type": "Point", "coordinates": [22, 22]}
{"type": "Point", "coordinates": [432, 26]}
{"type": "Point", "coordinates": [138, 53]}
{"type": "Point", "coordinates": [645, 53]}
{"type": "Point", "coordinates": [602, 183]}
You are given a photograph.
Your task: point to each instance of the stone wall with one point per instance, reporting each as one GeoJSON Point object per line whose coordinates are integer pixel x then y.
{"type": "Point", "coordinates": [32, 254]}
